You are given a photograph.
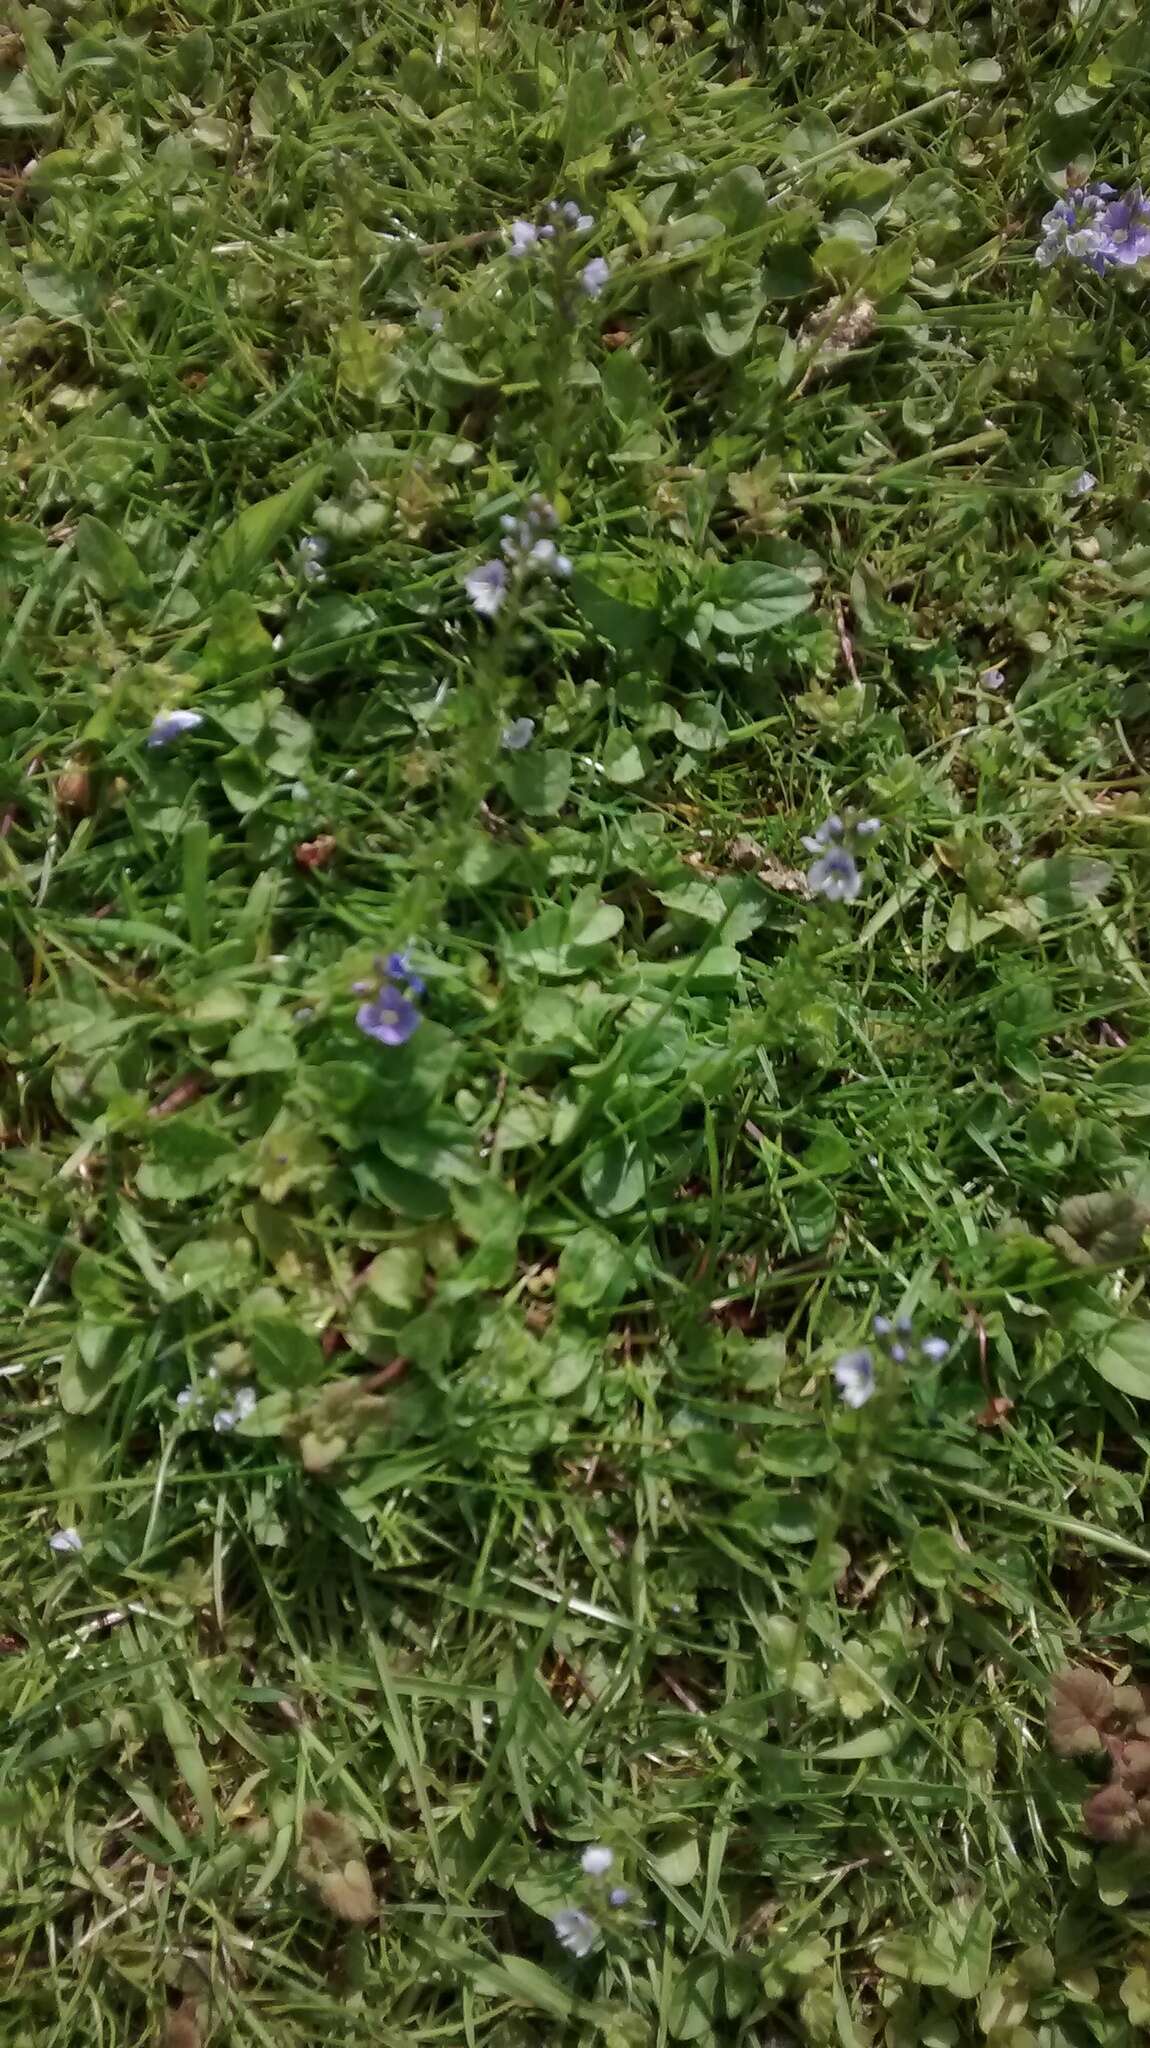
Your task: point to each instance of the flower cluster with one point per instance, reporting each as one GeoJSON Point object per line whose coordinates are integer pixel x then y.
{"type": "Point", "coordinates": [311, 554]}
{"type": "Point", "coordinates": [837, 843]}
{"type": "Point", "coordinates": [195, 1402]}
{"type": "Point", "coordinates": [565, 218]}
{"type": "Point", "coordinates": [854, 1371]}
{"type": "Point", "coordinates": [391, 1016]}
{"type": "Point", "coordinates": [528, 550]}
{"type": "Point", "coordinates": [576, 1929]}
{"type": "Point", "coordinates": [1092, 225]}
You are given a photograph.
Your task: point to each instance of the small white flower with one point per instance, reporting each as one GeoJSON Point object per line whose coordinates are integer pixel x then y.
{"type": "Point", "coordinates": [1082, 485]}
{"type": "Point", "coordinates": [575, 1931]}
{"type": "Point", "coordinates": [596, 1861]}
{"type": "Point", "coordinates": [935, 1348]}
{"type": "Point", "coordinates": [66, 1541]}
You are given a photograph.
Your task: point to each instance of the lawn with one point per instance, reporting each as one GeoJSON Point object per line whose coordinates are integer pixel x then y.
{"type": "Point", "coordinates": [574, 605]}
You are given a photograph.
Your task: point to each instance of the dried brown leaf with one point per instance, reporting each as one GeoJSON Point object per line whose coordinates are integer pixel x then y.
{"type": "Point", "coordinates": [182, 2026]}
{"type": "Point", "coordinates": [1111, 1814]}
{"type": "Point", "coordinates": [330, 1859]}
{"type": "Point", "coordinates": [1133, 1761]}
{"type": "Point", "coordinates": [1081, 1702]}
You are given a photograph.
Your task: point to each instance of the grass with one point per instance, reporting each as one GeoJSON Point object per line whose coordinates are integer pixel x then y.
{"type": "Point", "coordinates": [547, 1527]}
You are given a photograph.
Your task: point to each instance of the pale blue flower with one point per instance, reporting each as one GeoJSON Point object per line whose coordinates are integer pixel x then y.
{"type": "Point", "coordinates": [390, 1018]}
{"type": "Point", "coordinates": [935, 1348]}
{"type": "Point", "coordinates": [171, 725]}
{"type": "Point", "coordinates": [575, 1930]}
{"type": "Point", "coordinates": [66, 1542]}
{"type": "Point", "coordinates": [1082, 485]}
{"type": "Point", "coordinates": [854, 1377]}
{"type": "Point", "coordinates": [524, 236]}
{"type": "Point", "coordinates": [619, 1896]}
{"type": "Point", "coordinates": [992, 678]}
{"type": "Point", "coordinates": [835, 876]}
{"type": "Point", "coordinates": [487, 587]}
{"type": "Point", "coordinates": [244, 1404]}
{"type": "Point", "coordinates": [517, 735]}
{"type": "Point", "coordinates": [594, 276]}
{"type": "Point", "coordinates": [597, 1860]}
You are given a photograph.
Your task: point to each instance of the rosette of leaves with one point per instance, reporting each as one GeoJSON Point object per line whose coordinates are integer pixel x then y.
{"type": "Point", "coordinates": [1100, 1230]}
{"type": "Point", "coordinates": [1090, 1717]}
{"type": "Point", "coordinates": [325, 1429]}
{"type": "Point", "coordinates": [330, 1860]}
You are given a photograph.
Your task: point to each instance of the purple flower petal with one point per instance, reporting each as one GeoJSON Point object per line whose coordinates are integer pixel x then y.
{"type": "Point", "coordinates": [390, 1019]}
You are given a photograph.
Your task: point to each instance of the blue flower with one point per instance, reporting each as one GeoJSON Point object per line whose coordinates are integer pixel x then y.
{"type": "Point", "coordinates": [1125, 225]}
{"type": "Point", "coordinates": [835, 876]}
{"type": "Point", "coordinates": [524, 236]}
{"type": "Point", "coordinates": [854, 1377]}
{"type": "Point", "coordinates": [398, 967]}
{"type": "Point", "coordinates": [170, 725]}
{"type": "Point", "coordinates": [390, 1018]}
{"type": "Point", "coordinates": [517, 735]}
{"type": "Point", "coordinates": [992, 678]}
{"type": "Point", "coordinates": [594, 276]}
{"type": "Point", "coordinates": [829, 833]}
{"type": "Point", "coordinates": [1093, 226]}
{"type": "Point", "coordinates": [935, 1348]}
{"type": "Point", "coordinates": [1072, 229]}
{"type": "Point", "coordinates": [487, 587]}
{"type": "Point", "coordinates": [1082, 484]}
{"type": "Point", "coordinates": [597, 1860]}
{"type": "Point", "coordinates": [66, 1541]}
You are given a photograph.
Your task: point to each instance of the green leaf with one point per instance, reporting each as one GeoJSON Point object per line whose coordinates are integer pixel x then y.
{"type": "Point", "coordinates": [676, 1859]}
{"type": "Point", "coordinates": [933, 1557]}
{"type": "Point", "coordinates": [285, 1355]}
{"type": "Point", "coordinates": [621, 760]}
{"type": "Point", "coordinates": [189, 1760]}
{"type": "Point", "coordinates": [238, 643]}
{"type": "Point", "coordinates": [613, 1178]}
{"type": "Point", "coordinates": [99, 1356]}
{"type": "Point", "coordinates": [185, 1159]}
{"type": "Point", "coordinates": [242, 549]}
{"type": "Point", "coordinates": [747, 598]}
{"type": "Point", "coordinates": [1124, 1359]}
{"type": "Point", "coordinates": [277, 98]}
{"type": "Point", "coordinates": [62, 294]}
{"type": "Point", "coordinates": [739, 199]}
{"type": "Point", "coordinates": [107, 564]}
{"type": "Point", "coordinates": [1061, 885]}
{"type": "Point", "coordinates": [20, 109]}
{"type": "Point", "coordinates": [395, 1277]}
{"type": "Point", "coordinates": [593, 1270]}
{"type": "Point", "coordinates": [538, 781]}
{"type": "Point", "coordinates": [727, 328]}
{"type": "Point", "coordinates": [627, 627]}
